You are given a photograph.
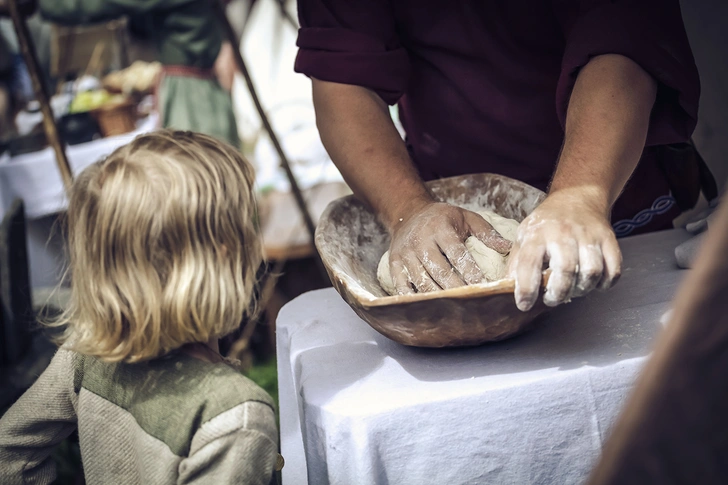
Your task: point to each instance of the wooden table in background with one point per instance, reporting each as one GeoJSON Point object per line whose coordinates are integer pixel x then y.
{"type": "Point", "coordinates": [284, 234]}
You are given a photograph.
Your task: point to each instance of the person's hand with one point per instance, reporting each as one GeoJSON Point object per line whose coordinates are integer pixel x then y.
{"type": "Point", "coordinates": [225, 66]}
{"type": "Point", "coordinates": [428, 248]}
{"type": "Point", "coordinates": [574, 237]}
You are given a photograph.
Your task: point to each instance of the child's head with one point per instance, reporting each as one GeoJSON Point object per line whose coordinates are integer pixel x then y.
{"type": "Point", "coordinates": [163, 247]}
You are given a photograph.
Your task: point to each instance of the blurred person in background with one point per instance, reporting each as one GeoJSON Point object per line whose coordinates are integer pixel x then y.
{"type": "Point", "coordinates": [194, 89]}
{"type": "Point", "coordinates": [16, 89]}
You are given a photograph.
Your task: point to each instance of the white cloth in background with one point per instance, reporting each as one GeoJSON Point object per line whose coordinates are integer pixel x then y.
{"type": "Point", "coordinates": [34, 177]}
{"type": "Point", "coordinates": [268, 46]}
{"type": "Point", "coordinates": [535, 409]}
{"type": "Point", "coordinates": [301, 143]}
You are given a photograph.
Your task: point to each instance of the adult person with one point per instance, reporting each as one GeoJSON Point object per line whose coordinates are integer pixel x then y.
{"type": "Point", "coordinates": [193, 92]}
{"type": "Point", "coordinates": [564, 95]}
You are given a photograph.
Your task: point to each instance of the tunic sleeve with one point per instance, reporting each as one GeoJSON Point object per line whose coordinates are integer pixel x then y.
{"type": "Point", "coordinates": [651, 33]}
{"type": "Point", "coordinates": [43, 417]}
{"type": "Point", "coordinates": [237, 446]}
{"type": "Point", "coordinates": [352, 42]}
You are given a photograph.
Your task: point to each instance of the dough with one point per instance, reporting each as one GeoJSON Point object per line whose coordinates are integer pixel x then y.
{"type": "Point", "coordinates": [491, 263]}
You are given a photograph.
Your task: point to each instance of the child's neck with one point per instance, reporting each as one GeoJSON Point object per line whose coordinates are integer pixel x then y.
{"type": "Point", "coordinates": [208, 351]}
{"type": "Point", "coordinates": [213, 344]}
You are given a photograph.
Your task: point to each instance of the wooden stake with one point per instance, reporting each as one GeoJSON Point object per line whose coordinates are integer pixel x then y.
{"type": "Point", "coordinates": [229, 33]}
{"type": "Point", "coordinates": [49, 123]}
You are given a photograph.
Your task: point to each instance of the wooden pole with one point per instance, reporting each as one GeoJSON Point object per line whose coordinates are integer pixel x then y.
{"type": "Point", "coordinates": [232, 38]}
{"type": "Point", "coordinates": [31, 60]}
{"type": "Point", "coordinates": [229, 33]}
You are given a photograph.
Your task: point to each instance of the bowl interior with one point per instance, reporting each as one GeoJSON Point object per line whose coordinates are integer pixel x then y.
{"type": "Point", "coordinates": [351, 241]}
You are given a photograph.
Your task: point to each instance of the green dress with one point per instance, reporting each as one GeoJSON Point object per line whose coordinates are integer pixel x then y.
{"type": "Point", "coordinates": [186, 33]}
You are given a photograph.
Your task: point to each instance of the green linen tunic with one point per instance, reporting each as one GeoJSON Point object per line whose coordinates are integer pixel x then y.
{"type": "Point", "coordinates": [170, 421]}
{"type": "Point", "coordinates": [186, 33]}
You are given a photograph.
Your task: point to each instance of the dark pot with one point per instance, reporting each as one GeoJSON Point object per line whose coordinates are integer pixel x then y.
{"type": "Point", "coordinates": [78, 128]}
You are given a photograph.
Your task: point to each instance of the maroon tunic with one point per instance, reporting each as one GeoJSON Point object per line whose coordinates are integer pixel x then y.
{"type": "Point", "coordinates": [483, 86]}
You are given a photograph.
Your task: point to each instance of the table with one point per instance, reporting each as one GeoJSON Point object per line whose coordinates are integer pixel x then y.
{"type": "Point", "coordinates": [283, 231]}
{"type": "Point", "coordinates": [357, 408]}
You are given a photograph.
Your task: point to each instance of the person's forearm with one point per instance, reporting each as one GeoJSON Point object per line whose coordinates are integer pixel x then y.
{"type": "Point", "coordinates": [360, 137]}
{"type": "Point", "coordinates": [606, 128]}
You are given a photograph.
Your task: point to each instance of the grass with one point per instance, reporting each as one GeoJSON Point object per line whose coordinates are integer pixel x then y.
{"type": "Point", "coordinates": [265, 374]}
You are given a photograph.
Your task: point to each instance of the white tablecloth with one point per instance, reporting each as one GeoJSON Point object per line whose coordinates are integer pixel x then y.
{"type": "Point", "coordinates": [34, 177]}
{"type": "Point", "coordinates": [357, 408]}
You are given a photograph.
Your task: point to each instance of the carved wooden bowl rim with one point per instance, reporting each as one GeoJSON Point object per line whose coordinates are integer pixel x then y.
{"type": "Point", "coordinates": [505, 286]}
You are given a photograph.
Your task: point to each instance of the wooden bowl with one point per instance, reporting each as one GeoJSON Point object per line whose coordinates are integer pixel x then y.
{"type": "Point", "coordinates": [351, 241]}
{"type": "Point", "coordinates": [116, 118]}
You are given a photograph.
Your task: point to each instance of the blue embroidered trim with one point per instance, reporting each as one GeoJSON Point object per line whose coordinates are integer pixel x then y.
{"type": "Point", "coordinates": [661, 205]}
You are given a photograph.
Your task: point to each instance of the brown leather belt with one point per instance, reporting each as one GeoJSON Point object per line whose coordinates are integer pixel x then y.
{"type": "Point", "coordinates": [187, 71]}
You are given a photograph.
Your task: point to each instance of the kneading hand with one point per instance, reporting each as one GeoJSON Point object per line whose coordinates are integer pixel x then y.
{"type": "Point", "coordinates": [428, 248]}
{"type": "Point", "coordinates": [577, 242]}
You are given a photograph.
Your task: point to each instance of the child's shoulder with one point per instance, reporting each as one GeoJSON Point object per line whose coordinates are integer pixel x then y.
{"type": "Point", "coordinates": [177, 375]}
{"type": "Point", "coordinates": [170, 398]}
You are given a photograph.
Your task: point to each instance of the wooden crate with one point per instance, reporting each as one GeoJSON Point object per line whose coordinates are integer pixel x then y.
{"type": "Point", "coordinates": [72, 47]}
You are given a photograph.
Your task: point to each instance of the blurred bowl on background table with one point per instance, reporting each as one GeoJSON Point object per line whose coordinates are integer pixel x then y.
{"type": "Point", "coordinates": [79, 128]}
{"type": "Point", "coordinates": [117, 118]}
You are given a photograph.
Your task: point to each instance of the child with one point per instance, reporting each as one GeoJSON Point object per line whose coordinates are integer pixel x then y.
{"type": "Point", "coordinates": [163, 249]}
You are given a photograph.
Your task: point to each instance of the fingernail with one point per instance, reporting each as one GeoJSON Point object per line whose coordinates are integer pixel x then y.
{"type": "Point", "coordinates": [609, 283]}
{"type": "Point", "coordinates": [550, 303]}
{"type": "Point", "coordinates": [616, 278]}
{"type": "Point", "coordinates": [550, 299]}
{"type": "Point", "coordinates": [524, 304]}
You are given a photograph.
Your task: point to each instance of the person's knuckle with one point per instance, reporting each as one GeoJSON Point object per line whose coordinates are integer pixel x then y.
{"type": "Point", "coordinates": [463, 261]}
{"type": "Point", "coordinates": [564, 280]}
{"type": "Point", "coordinates": [559, 265]}
{"type": "Point", "coordinates": [453, 281]}
{"type": "Point", "coordinates": [428, 287]}
{"type": "Point", "coordinates": [473, 278]}
{"type": "Point", "coordinates": [441, 275]}
{"type": "Point", "coordinates": [591, 273]}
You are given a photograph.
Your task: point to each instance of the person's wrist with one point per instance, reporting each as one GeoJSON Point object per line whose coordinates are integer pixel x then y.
{"type": "Point", "coordinates": [404, 208]}
{"type": "Point", "coordinates": [590, 197]}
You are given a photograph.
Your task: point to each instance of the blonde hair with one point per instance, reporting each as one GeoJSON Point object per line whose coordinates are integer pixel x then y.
{"type": "Point", "coordinates": [163, 247]}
